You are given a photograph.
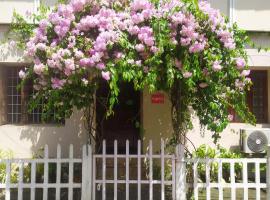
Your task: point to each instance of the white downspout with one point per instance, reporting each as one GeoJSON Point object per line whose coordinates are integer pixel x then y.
{"type": "Point", "coordinates": [231, 12]}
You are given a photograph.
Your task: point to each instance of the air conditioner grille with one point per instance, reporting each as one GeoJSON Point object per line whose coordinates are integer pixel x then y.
{"type": "Point", "coordinates": [257, 141]}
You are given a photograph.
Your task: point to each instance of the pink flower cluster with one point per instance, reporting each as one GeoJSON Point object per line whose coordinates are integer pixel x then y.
{"type": "Point", "coordinates": [141, 10]}
{"type": "Point", "coordinates": [62, 20]}
{"type": "Point", "coordinates": [101, 31]}
{"type": "Point", "coordinates": [189, 35]}
{"type": "Point", "coordinates": [218, 24]}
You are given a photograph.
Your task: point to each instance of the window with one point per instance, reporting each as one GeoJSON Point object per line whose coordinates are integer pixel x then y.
{"type": "Point", "coordinates": [14, 97]}
{"type": "Point", "coordinates": [17, 100]}
{"type": "Point", "coordinates": [257, 97]}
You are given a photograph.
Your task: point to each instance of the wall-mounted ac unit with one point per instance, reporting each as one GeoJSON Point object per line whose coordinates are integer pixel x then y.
{"type": "Point", "coordinates": [255, 140]}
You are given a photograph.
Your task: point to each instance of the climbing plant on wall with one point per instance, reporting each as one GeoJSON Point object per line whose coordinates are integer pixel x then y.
{"type": "Point", "coordinates": [184, 48]}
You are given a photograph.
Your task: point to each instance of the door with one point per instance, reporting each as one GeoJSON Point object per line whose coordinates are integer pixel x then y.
{"type": "Point", "coordinates": [124, 124]}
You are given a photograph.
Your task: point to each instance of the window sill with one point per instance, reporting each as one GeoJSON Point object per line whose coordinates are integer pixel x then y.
{"type": "Point", "coordinates": [36, 125]}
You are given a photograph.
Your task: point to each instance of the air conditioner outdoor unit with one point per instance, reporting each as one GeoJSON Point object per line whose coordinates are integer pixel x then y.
{"type": "Point", "coordinates": [255, 140]}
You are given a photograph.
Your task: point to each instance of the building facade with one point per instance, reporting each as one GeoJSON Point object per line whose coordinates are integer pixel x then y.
{"type": "Point", "coordinates": [24, 134]}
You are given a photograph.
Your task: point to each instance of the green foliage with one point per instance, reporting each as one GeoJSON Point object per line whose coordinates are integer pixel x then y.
{"type": "Point", "coordinates": [158, 71]}
{"type": "Point", "coordinates": [3, 175]}
{"type": "Point", "coordinates": [205, 152]}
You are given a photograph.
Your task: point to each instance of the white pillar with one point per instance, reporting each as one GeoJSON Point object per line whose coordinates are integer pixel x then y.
{"type": "Point", "coordinates": [180, 173]}
{"type": "Point", "coordinates": [87, 173]}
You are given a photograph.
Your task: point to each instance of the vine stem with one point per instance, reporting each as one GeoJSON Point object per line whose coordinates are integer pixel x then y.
{"type": "Point", "coordinates": [180, 115]}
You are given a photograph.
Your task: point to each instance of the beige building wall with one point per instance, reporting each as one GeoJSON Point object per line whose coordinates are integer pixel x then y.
{"type": "Point", "coordinates": [157, 125]}
{"type": "Point", "coordinates": [222, 5]}
{"type": "Point", "coordinates": [21, 6]}
{"type": "Point", "coordinates": [252, 15]}
{"type": "Point", "coordinates": [26, 140]}
{"type": "Point", "coordinates": [156, 120]}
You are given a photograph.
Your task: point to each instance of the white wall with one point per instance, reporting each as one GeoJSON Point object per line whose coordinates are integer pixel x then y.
{"type": "Point", "coordinates": [8, 53]}
{"type": "Point", "coordinates": [252, 15]}
{"type": "Point", "coordinates": [21, 6]}
{"type": "Point", "coordinates": [26, 140]}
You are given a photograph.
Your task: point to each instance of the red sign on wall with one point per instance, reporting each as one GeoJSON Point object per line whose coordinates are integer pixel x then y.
{"type": "Point", "coordinates": [157, 98]}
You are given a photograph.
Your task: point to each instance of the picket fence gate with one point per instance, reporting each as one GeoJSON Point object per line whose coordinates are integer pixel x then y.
{"type": "Point", "coordinates": [93, 181]}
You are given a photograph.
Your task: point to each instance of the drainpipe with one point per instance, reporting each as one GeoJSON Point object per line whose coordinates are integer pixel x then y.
{"type": "Point", "coordinates": [231, 11]}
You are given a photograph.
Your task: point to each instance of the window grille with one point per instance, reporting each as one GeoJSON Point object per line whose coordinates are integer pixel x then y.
{"type": "Point", "coordinates": [13, 96]}
{"type": "Point", "coordinates": [18, 99]}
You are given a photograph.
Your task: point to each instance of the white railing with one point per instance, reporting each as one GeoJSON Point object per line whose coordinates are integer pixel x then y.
{"type": "Point", "coordinates": [16, 170]}
{"type": "Point", "coordinates": [231, 183]}
{"type": "Point", "coordinates": [145, 175]}
{"type": "Point", "coordinates": [152, 175]}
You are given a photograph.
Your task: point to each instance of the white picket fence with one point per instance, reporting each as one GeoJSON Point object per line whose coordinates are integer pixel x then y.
{"type": "Point", "coordinates": [153, 176]}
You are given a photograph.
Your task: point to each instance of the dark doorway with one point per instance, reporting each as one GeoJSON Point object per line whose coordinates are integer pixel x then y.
{"type": "Point", "coordinates": [124, 124]}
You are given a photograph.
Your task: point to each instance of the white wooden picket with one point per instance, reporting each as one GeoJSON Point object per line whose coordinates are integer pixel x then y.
{"type": "Point", "coordinates": [232, 185]}
{"type": "Point", "coordinates": [32, 185]}
{"type": "Point", "coordinates": [95, 169]}
{"type": "Point", "coordinates": [149, 156]}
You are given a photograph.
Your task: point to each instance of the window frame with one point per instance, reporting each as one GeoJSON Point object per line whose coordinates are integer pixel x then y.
{"type": "Point", "coordinates": [249, 98]}
{"type": "Point", "coordinates": [25, 93]}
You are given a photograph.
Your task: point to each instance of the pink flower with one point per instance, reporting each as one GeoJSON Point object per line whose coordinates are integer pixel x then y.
{"type": "Point", "coordinates": [101, 66]}
{"type": "Point", "coordinates": [84, 62]}
{"type": "Point", "coordinates": [39, 68]}
{"type": "Point", "coordinates": [240, 63]}
{"type": "Point", "coordinates": [185, 41]}
{"type": "Point", "coordinates": [51, 63]}
{"type": "Point", "coordinates": [245, 73]}
{"type": "Point", "coordinates": [41, 46]}
{"type": "Point", "coordinates": [154, 49]}
{"type": "Point", "coordinates": [196, 47]}
{"type": "Point", "coordinates": [216, 66]}
{"type": "Point", "coordinates": [230, 118]}
{"type": "Point", "coordinates": [57, 83]}
{"type": "Point", "coordinates": [187, 74]}
{"type": "Point", "coordinates": [133, 30]}
{"type": "Point", "coordinates": [77, 5]}
{"type": "Point", "coordinates": [67, 72]}
{"type": "Point", "coordinates": [149, 41]}
{"type": "Point", "coordinates": [147, 13]}
{"type": "Point", "coordinates": [138, 62]}
{"type": "Point", "coordinates": [43, 24]}
{"type": "Point", "coordinates": [178, 18]}
{"type": "Point", "coordinates": [69, 64]}
{"type": "Point", "coordinates": [203, 85]}
{"type": "Point", "coordinates": [137, 18]}
{"type": "Point", "coordinates": [139, 47]}
{"type": "Point", "coordinates": [239, 84]}
{"type": "Point", "coordinates": [22, 74]}
{"type": "Point", "coordinates": [106, 75]}
{"type": "Point", "coordinates": [118, 54]}
{"type": "Point", "coordinates": [78, 54]}
{"type": "Point", "coordinates": [140, 5]}
{"type": "Point", "coordinates": [229, 45]}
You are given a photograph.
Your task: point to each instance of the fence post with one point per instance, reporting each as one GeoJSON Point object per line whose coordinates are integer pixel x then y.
{"type": "Point", "coordinates": [268, 172]}
{"type": "Point", "coordinates": [87, 173]}
{"type": "Point", "coordinates": [180, 173]}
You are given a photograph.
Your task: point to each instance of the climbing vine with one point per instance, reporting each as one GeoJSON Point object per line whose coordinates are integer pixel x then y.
{"type": "Point", "coordinates": [185, 48]}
